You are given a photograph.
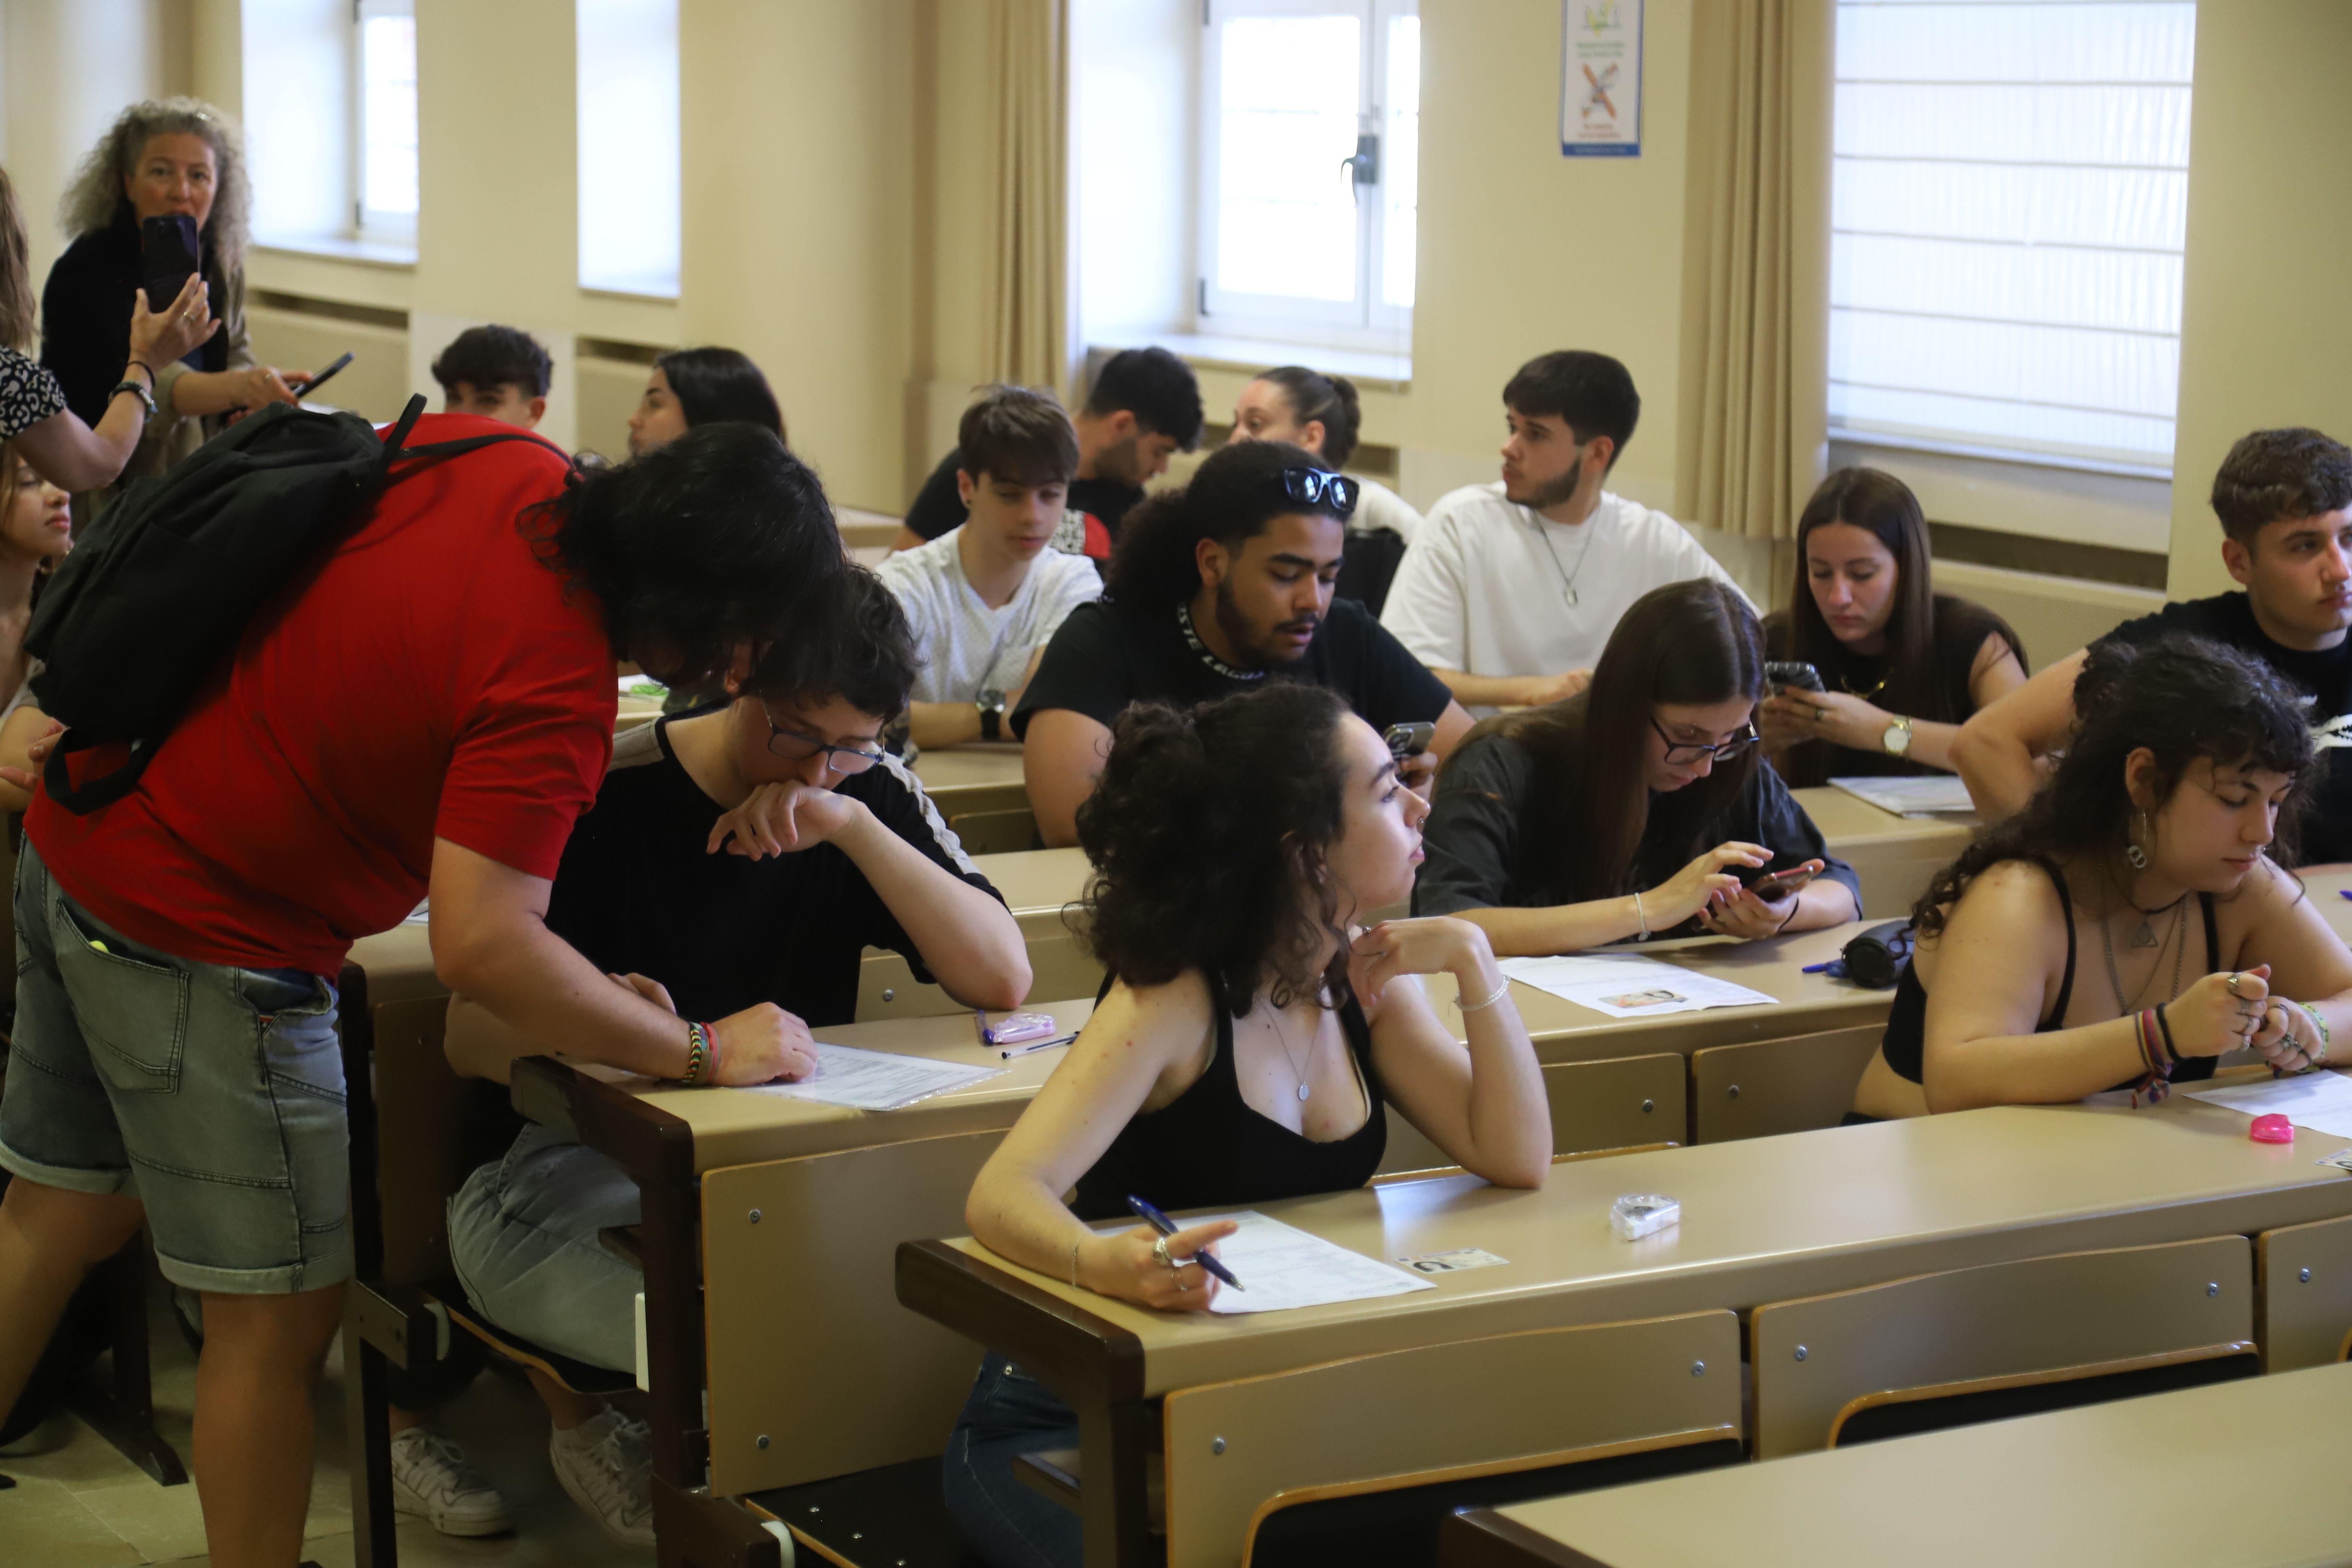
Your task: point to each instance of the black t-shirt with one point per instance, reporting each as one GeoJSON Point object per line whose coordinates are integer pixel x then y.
{"type": "Point", "coordinates": [1480, 857]}
{"type": "Point", "coordinates": [939, 505]}
{"type": "Point", "coordinates": [2324, 677]}
{"type": "Point", "coordinates": [635, 892]}
{"type": "Point", "coordinates": [1105, 656]}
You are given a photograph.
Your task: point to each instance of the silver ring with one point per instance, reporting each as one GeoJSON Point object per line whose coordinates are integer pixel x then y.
{"type": "Point", "coordinates": [1160, 1250]}
{"type": "Point", "coordinates": [2234, 978]}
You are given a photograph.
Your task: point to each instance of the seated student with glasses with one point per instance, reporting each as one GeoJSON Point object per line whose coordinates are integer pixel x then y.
{"type": "Point", "coordinates": [1591, 820]}
{"type": "Point", "coordinates": [737, 863]}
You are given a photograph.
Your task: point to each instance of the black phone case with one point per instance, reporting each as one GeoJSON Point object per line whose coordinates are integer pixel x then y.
{"type": "Point", "coordinates": [167, 255]}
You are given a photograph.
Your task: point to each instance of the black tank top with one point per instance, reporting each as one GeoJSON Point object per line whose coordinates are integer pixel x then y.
{"type": "Point", "coordinates": [1209, 1148]}
{"type": "Point", "coordinates": [1906, 1020]}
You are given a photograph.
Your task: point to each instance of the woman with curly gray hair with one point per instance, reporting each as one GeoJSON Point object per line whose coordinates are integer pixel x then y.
{"type": "Point", "coordinates": [162, 158]}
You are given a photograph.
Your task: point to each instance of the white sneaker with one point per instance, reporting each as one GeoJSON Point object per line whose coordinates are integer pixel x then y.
{"type": "Point", "coordinates": [431, 1479]}
{"type": "Point", "coordinates": [606, 1464]}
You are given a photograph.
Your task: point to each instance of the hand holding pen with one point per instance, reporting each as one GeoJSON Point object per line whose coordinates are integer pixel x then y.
{"type": "Point", "coordinates": [1199, 1252]}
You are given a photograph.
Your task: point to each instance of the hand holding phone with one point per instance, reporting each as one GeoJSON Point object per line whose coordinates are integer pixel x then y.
{"type": "Point", "coordinates": [1780, 675]}
{"type": "Point", "coordinates": [312, 383]}
{"type": "Point", "coordinates": [1781, 885]}
{"type": "Point", "coordinates": [1409, 740]}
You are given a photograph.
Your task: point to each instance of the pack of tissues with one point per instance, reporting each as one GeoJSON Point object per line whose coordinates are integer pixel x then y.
{"type": "Point", "coordinates": [1637, 1214]}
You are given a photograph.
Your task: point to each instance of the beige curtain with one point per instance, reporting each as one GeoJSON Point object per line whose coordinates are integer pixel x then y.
{"type": "Point", "coordinates": [1028, 71]}
{"type": "Point", "coordinates": [1755, 292]}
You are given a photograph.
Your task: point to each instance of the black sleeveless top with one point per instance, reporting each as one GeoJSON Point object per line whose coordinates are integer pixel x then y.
{"type": "Point", "coordinates": [1906, 1021]}
{"type": "Point", "coordinates": [1209, 1149]}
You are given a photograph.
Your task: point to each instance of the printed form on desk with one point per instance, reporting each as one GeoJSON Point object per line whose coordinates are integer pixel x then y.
{"type": "Point", "coordinates": [1281, 1266]}
{"type": "Point", "coordinates": [2319, 1100]}
{"type": "Point", "coordinates": [1630, 987]}
{"type": "Point", "coordinates": [876, 1080]}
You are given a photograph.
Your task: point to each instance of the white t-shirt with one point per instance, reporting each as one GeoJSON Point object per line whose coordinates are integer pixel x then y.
{"type": "Point", "coordinates": [966, 647]}
{"type": "Point", "coordinates": [1484, 588]}
{"type": "Point", "coordinates": [1379, 507]}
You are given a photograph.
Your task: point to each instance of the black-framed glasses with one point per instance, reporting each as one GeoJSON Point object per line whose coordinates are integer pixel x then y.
{"type": "Point", "coordinates": [794, 747]}
{"type": "Point", "coordinates": [1313, 487]}
{"type": "Point", "coordinates": [1692, 751]}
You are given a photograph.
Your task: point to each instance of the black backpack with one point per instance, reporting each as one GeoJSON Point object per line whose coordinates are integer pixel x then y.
{"type": "Point", "coordinates": [163, 583]}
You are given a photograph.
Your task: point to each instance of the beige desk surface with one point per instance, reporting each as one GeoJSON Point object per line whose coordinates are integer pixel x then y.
{"type": "Point", "coordinates": [1037, 884]}
{"type": "Point", "coordinates": [2069, 1487]}
{"type": "Point", "coordinates": [2327, 886]}
{"type": "Point", "coordinates": [1764, 1219]}
{"type": "Point", "coordinates": [979, 765]}
{"type": "Point", "coordinates": [1855, 826]}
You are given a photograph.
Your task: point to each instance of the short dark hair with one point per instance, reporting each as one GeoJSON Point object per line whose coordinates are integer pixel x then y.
{"type": "Point", "coordinates": [869, 661]}
{"type": "Point", "coordinates": [1328, 400]}
{"type": "Point", "coordinates": [1155, 386]}
{"type": "Point", "coordinates": [1017, 434]}
{"type": "Point", "coordinates": [717, 538]}
{"type": "Point", "coordinates": [1208, 833]}
{"type": "Point", "coordinates": [487, 357]}
{"type": "Point", "coordinates": [2275, 474]}
{"type": "Point", "coordinates": [1593, 392]}
{"type": "Point", "coordinates": [1232, 498]}
{"type": "Point", "coordinates": [713, 385]}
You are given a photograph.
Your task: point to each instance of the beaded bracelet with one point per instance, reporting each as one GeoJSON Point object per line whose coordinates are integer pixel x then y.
{"type": "Point", "coordinates": [701, 1055]}
{"type": "Point", "coordinates": [2319, 1024]}
{"type": "Point", "coordinates": [1499, 991]}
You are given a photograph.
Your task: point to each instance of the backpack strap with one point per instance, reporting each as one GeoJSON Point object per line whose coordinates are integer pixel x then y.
{"type": "Point", "coordinates": [101, 791]}
{"type": "Point", "coordinates": [396, 450]}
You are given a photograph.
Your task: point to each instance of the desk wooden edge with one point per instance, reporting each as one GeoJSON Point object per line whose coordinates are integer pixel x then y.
{"type": "Point", "coordinates": [1483, 1538]}
{"type": "Point", "coordinates": [1077, 1354]}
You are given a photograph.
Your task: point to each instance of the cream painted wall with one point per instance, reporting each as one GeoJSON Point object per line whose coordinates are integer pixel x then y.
{"type": "Point", "coordinates": [2265, 331]}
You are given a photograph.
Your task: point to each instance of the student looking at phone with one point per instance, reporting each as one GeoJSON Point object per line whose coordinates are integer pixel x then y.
{"type": "Point", "coordinates": [1900, 667]}
{"type": "Point", "coordinates": [1251, 1034]}
{"type": "Point", "coordinates": [1638, 805]}
{"type": "Point", "coordinates": [1221, 587]}
{"type": "Point", "coordinates": [159, 162]}
{"type": "Point", "coordinates": [2132, 924]}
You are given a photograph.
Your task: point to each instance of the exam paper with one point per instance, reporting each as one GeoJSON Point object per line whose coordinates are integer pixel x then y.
{"type": "Point", "coordinates": [1630, 987]}
{"type": "Point", "coordinates": [1282, 1267]}
{"type": "Point", "coordinates": [2319, 1100]}
{"type": "Point", "coordinates": [1922, 794]}
{"type": "Point", "coordinates": [876, 1080]}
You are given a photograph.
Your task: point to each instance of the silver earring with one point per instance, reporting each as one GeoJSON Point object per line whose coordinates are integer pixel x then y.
{"type": "Point", "coordinates": [2132, 851]}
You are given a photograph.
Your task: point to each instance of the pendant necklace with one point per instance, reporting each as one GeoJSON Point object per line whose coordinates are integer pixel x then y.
{"type": "Point", "coordinates": [2114, 980]}
{"type": "Point", "coordinates": [1567, 578]}
{"type": "Point", "coordinates": [2145, 935]}
{"type": "Point", "coordinates": [1273, 1017]}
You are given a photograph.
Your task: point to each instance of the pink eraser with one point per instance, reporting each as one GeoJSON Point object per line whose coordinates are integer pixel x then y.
{"type": "Point", "coordinates": [2272, 1130]}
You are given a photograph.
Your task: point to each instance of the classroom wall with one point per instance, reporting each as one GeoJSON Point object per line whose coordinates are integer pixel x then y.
{"type": "Point", "coordinates": [2265, 333]}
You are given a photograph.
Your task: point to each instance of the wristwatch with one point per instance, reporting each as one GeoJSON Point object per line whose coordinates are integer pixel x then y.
{"type": "Point", "coordinates": [992, 714]}
{"type": "Point", "coordinates": [1897, 739]}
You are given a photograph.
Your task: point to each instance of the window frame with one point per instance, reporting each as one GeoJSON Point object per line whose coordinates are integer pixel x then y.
{"type": "Point", "coordinates": [377, 225]}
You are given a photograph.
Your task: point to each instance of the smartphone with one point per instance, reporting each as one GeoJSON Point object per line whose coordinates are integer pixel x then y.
{"type": "Point", "coordinates": [1016, 1029]}
{"type": "Point", "coordinates": [167, 257]}
{"type": "Point", "coordinates": [1409, 740]}
{"type": "Point", "coordinates": [1780, 884]}
{"type": "Point", "coordinates": [1781, 674]}
{"type": "Point", "coordinates": [323, 377]}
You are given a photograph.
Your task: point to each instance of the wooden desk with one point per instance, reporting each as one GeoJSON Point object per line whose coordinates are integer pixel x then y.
{"type": "Point", "coordinates": [1770, 1219]}
{"type": "Point", "coordinates": [1894, 855]}
{"type": "Point", "coordinates": [2327, 886]}
{"type": "Point", "coordinates": [2107, 1483]}
{"type": "Point", "coordinates": [982, 775]}
{"type": "Point", "coordinates": [1039, 884]}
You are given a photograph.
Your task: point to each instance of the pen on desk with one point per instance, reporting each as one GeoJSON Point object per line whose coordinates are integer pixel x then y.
{"type": "Point", "coordinates": [2344, 892]}
{"type": "Point", "coordinates": [1166, 1227]}
{"type": "Point", "coordinates": [1038, 1046]}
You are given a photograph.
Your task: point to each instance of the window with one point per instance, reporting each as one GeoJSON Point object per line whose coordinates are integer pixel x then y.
{"type": "Point", "coordinates": [628, 146]}
{"type": "Point", "coordinates": [2008, 204]}
{"type": "Point", "coordinates": [386, 71]}
{"type": "Point", "coordinates": [1311, 113]}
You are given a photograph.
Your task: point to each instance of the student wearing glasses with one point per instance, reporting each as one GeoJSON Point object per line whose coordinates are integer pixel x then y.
{"type": "Point", "coordinates": [738, 861]}
{"type": "Point", "coordinates": [1638, 806]}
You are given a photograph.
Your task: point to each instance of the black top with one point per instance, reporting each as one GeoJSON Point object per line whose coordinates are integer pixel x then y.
{"type": "Point", "coordinates": [1961, 628]}
{"type": "Point", "coordinates": [1106, 657]}
{"type": "Point", "coordinates": [939, 505]}
{"type": "Point", "coordinates": [86, 316]}
{"type": "Point", "coordinates": [1479, 858]}
{"type": "Point", "coordinates": [635, 892]}
{"type": "Point", "coordinates": [2324, 677]}
{"type": "Point", "coordinates": [1905, 1040]}
{"type": "Point", "coordinates": [1209, 1148]}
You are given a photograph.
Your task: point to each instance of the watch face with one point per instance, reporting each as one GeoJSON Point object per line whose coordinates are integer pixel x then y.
{"type": "Point", "coordinates": [1898, 739]}
{"type": "Point", "coordinates": [991, 698]}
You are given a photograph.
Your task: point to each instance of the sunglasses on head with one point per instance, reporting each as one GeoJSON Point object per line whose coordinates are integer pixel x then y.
{"type": "Point", "coordinates": [1313, 487]}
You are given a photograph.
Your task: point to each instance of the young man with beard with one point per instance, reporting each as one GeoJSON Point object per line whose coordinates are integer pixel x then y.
{"type": "Point", "coordinates": [2285, 499]}
{"type": "Point", "coordinates": [1215, 589]}
{"type": "Point", "coordinates": [1510, 590]}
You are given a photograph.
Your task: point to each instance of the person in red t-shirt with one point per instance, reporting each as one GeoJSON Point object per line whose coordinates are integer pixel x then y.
{"type": "Point", "coordinates": [428, 708]}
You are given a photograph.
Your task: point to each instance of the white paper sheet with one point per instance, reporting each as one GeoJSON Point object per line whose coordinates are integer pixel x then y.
{"type": "Point", "coordinates": [2319, 1100]}
{"type": "Point", "coordinates": [1922, 794]}
{"type": "Point", "coordinates": [1282, 1267]}
{"type": "Point", "coordinates": [876, 1080]}
{"type": "Point", "coordinates": [1630, 987]}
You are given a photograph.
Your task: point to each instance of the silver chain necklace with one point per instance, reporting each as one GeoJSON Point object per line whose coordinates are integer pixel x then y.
{"type": "Point", "coordinates": [1273, 1017]}
{"type": "Point", "coordinates": [2114, 980]}
{"type": "Point", "coordinates": [1567, 578]}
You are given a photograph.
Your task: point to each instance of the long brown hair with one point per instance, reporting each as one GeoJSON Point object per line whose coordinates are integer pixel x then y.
{"type": "Point", "coordinates": [1882, 507]}
{"type": "Point", "coordinates": [1695, 642]}
{"type": "Point", "coordinates": [17, 304]}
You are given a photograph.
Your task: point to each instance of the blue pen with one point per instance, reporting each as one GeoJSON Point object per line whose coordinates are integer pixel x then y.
{"type": "Point", "coordinates": [2344, 892]}
{"type": "Point", "coordinates": [1166, 1227]}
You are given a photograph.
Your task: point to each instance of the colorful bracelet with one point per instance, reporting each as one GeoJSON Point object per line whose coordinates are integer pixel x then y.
{"type": "Point", "coordinates": [701, 1055]}
{"type": "Point", "coordinates": [2157, 1083]}
{"type": "Point", "coordinates": [2320, 1024]}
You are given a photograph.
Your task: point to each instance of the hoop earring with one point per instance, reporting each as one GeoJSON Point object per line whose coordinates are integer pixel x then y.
{"type": "Point", "coordinates": [2132, 851]}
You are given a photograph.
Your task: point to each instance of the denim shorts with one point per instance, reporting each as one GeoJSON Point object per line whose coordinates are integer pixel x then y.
{"type": "Point", "coordinates": [213, 1095]}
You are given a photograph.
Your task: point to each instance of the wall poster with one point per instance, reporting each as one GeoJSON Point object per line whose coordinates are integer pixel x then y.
{"type": "Point", "coordinates": [1601, 78]}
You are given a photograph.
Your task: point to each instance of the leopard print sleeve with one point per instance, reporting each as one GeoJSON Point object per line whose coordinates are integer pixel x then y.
{"type": "Point", "coordinates": [29, 394]}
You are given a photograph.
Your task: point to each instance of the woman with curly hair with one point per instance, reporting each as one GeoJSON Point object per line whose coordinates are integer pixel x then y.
{"type": "Point", "coordinates": [2130, 925]}
{"type": "Point", "coordinates": [173, 157]}
{"type": "Point", "coordinates": [1248, 1040]}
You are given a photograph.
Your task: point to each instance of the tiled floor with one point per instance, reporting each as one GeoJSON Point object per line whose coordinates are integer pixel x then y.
{"type": "Point", "coordinates": [79, 1504]}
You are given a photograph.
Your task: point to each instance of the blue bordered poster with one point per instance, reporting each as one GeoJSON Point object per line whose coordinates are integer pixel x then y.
{"type": "Point", "coordinates": [1601, 78]}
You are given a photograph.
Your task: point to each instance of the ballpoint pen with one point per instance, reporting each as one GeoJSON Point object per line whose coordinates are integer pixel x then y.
{"type": "Point", "coordinates": [1166, 1227]}
{"type": "Point", "coordinates": [1037, 1046]}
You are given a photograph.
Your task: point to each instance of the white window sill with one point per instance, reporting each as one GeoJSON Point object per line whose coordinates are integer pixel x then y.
{"type": "Point", "coordinates": [1252, 356]}
{"type": "Point", "coordinates": [341, 247]}
{"type": "Point", "coordinates": [637, 292]}
{"type": "Point", "coordinates": [2161, 472]}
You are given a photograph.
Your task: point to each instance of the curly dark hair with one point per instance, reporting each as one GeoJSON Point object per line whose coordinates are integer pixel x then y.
{"type": "Point", "coordinates": [717, 538]}
{"type": "Point", "coordinates": [2182, 698]}
{"type": "Point", "coordinates": [1208, 832]}
{"type": "Point", "coordinates": [869, 664]}
{"type": "Point", "coordinates": [1234, 496]}
{"type": "Point", "coordinates": [2275, 474]}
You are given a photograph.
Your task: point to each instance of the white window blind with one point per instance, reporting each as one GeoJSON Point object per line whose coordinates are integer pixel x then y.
{"type": "Point", "coordinates": [387, 119]}
{"type": "Point", "coordinates": [629, 170]}
{"type": "Point", "coordinates": [2008, 207]}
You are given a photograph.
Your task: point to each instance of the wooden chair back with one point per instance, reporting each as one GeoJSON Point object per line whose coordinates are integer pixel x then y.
{"type": "Point", "coordinates": [1777, 1086]}
{"type": "Point", "coordinates": [1620, 1103]}
{"type": "Point", "coordinates": [2302, 1294]}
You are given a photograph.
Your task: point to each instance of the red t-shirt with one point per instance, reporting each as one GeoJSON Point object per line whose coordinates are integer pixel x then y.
{"type": "Point", "coordinates": [430, 678]}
